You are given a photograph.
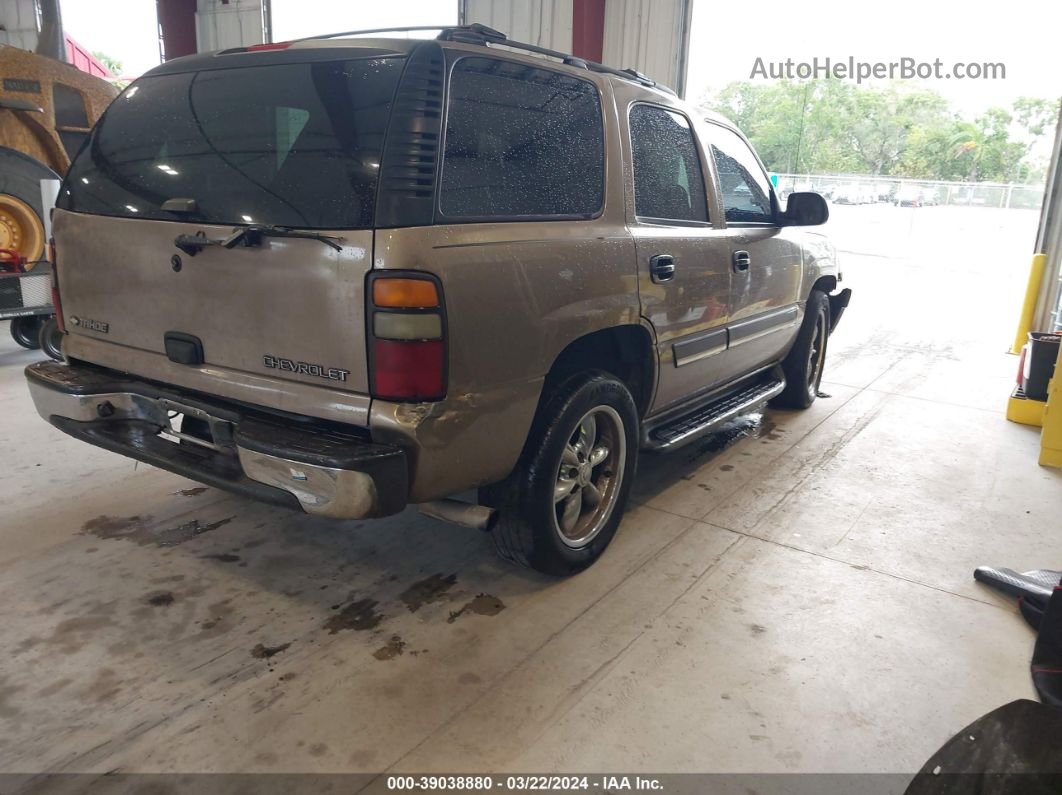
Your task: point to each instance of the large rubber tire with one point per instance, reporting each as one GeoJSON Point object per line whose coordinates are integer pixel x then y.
{"type": "Point", "coordinates": [20, 177]}
{"type": "Point", "coordinates": [26, 331]}
{"type": "Point", "coordinates": [51, 338]}
{"type": "Point", "coordinates": [805, 362]}
{"type": "Point", "coordinates": [529, 527]}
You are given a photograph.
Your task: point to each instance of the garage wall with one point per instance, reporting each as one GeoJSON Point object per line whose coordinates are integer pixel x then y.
{"type": "Point", "coordinates": [19, 20]}
{"type": "Point", "coordinates": [547, 23]}
{"type": "Point", "coordinates": [237, 23]}
{"type": "Point", "coordinates": [651, 36]}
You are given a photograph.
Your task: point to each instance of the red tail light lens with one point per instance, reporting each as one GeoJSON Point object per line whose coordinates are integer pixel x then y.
{"type": "Point", "coordinates": [409, 370]}
{"type": "Point", "coordinates": [57, 304]}
{"type": "Point", "coordinates": [407, 337]}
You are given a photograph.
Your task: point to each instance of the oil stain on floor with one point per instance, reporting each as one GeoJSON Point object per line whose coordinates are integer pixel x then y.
{"type": "Point", "coordinates": [263, 652]}
{"type": "Point", "coordinates": [424, 592]}
{"type": "Point", "coordinates": [482, 605]}
{"type": "Point", "coordinates": [393, 648]}
{"type": "Point", "coordinates": [360, 615]}
{"type": "Point", "coordinates": [136, 529]}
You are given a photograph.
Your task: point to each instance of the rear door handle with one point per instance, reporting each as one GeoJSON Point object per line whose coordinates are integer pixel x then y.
{"type": "Point", "coordinates": [662, 268]}
{"type": "Point", "coordinates": [742, 261]}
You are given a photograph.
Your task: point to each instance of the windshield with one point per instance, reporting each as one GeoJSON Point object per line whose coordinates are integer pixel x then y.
{"type": "Point", "coordinates": [294, 144]}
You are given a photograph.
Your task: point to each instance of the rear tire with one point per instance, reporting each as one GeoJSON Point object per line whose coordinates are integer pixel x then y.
{"type": "Point", "coordinates": [559, 509]}
{"type": "Point", "coordinates": [804, 365]}
{"type": "Point", "coordinates": [26, 331]}
{"type": "Point", "coordinates": [50, 338]}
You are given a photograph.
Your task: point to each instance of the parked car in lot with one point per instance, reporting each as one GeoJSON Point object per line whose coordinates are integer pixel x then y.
{"type": "Point", "coordinates": [916, 196]}
{"type": "Point", "coordinates": [282, 273]}
{"type": "Point", "coordinates": [852, 193]}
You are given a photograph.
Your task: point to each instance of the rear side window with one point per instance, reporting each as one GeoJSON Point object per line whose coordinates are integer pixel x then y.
{"type": "Point", "coordinates": [668, 180]}
{"type": "Point", "coordinates": [521, 142]}
{"type": "Point", "coordinates": [289, 144]}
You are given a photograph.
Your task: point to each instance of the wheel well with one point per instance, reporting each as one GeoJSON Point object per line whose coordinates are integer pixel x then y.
{"type": "Point", "coordinates": [825, 284]}
{"type": "Point", "coordinates": [624, 351]}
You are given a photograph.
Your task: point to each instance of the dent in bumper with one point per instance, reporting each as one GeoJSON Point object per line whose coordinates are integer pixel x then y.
{"type": "Point", "coordinates": [322, 471]}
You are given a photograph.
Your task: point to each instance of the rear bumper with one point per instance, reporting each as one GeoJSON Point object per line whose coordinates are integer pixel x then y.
{"type": "Point", "coordinates": [296, 462]}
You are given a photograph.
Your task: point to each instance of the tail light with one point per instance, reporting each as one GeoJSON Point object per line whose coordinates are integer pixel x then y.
{"type": "Point", "coordinates": [407, 337]}
{"type": "Point", "coordinates": [57, 304]}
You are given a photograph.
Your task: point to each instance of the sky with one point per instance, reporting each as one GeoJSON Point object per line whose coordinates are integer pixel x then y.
{"type": "Point", "coordinates": [1022, 34]}
{"type": "Point", "coordinates": [726, 38]}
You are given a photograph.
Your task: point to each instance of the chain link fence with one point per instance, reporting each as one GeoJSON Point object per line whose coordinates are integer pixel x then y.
{"type": "Point", "coordinates": [863, 189]}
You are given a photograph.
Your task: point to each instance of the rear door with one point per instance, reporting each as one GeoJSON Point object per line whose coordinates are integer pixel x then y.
{"type": "Point", "coordinates": [765, 292]}
{"type": "Point", "coordinates": [683, 262]}
{"type": "Point", "coordinates": [292, 144]}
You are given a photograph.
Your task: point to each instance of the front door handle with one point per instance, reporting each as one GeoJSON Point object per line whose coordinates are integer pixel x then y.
{"type": "Point", "coordinates": [742, 261]}
{"type": "Point", "coordinates": [661, 268]}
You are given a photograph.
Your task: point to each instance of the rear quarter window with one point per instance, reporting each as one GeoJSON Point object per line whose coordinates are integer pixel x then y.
{"type": "Point", "coordinates": [521, 143]}
{"type": "Point", "coordinates": [290, 144]}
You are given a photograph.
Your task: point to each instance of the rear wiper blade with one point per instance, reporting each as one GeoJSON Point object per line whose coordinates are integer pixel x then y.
{"type": "Point", "coordinates": [249, 236]}
{"type": "Point", "coordinates": [252, 236]}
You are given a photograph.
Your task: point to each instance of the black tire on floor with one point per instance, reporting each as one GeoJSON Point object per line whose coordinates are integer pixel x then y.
{"type": "Point", "coordinates": [20, 176]}
{"type": "Point", "coordinates": [51, 338]}
{"type": "Point", "coordinates": [590, 417]}
{"type": "Point", "coordinates": [26, 331]}
{"type": "Point", "coordinates": [804, 364]}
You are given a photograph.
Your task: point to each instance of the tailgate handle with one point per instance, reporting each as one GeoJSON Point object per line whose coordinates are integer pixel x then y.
{"type": "Point", "coordinates": [183, 348]}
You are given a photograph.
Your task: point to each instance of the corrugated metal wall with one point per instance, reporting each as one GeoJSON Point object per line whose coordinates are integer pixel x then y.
{"type": "Point", "coordinates": [19, 20]}
{"type": "Point", "coordinates": [651, 36]}
{"type": "Point", "coordinates": [547, 23]}
{"type": "Point", "coordinates": [237, 23]}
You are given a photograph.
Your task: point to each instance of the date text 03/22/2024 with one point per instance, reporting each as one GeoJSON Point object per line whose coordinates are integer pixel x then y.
{"type": "Point", "coordinates": [604, 784]}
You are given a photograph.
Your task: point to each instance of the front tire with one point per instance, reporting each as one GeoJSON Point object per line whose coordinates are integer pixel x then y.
{"type": "Point", "coordinates": [806, 360]}
{"type": "Point", "coordinates": [26, 331]}
{"type": "Point", "coordinates": [559, 509]}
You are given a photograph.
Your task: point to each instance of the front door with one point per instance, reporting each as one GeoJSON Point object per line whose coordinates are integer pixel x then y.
{"type": "Point", "coordinates": [765, 309]}
{"type": "Point", "coordinates": [683, 262]}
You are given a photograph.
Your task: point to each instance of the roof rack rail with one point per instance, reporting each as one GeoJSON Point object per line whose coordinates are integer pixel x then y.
{"type": "Point", "coordinates": [481, 34]}
{"type": "Point", "coordinates": [407, 29]}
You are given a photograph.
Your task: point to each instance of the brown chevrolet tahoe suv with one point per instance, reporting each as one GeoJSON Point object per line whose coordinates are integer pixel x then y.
{"type": "Point", "coordinates": [346, 275]}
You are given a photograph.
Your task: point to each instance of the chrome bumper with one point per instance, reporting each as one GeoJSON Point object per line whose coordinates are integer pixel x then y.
{"type": "Point", "coordinates": [320, 470]}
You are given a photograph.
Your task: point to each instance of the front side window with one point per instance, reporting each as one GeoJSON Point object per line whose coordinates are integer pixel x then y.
{"type": "Point", "coordinates": [294, 144]}
{"type": "Point", "coordinates": [668, 180]}
{"type": "Point", "coordinates": [745, 188]}
{"type": "Point", "coordinates": [521, 142]}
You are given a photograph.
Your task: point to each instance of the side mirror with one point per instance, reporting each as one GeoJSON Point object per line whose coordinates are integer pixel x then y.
{"type": "Point", "coordinates": [805, 209]}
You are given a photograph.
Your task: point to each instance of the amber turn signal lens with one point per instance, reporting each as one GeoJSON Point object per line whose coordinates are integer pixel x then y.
{"type": "Point", "coordinates": [404, 293]}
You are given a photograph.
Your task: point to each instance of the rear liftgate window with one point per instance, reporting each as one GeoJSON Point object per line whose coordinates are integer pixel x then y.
{"type": "Point", "coordinates": [521, 142]}
{"type": "Point", "coordinates": [289, 145]}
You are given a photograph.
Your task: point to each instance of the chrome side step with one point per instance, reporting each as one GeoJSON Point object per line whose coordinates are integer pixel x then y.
{"type": "Point", "coordinates": [704, 420]}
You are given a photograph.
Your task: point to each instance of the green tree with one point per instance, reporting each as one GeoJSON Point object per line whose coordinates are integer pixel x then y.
{"type": "Point", "coordinates": [835, 126]}
{"type": "Point", "coordinates": [111, 63]}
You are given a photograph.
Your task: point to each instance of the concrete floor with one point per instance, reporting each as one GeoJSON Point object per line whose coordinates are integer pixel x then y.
{"type": "Point", "coordinates": [799, 599]}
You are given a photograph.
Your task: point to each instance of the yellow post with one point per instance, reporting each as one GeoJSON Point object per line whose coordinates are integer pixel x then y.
{"type": "Point", "coordinates": [1028, 308]}
{"type": "Point", "coordinates": [1051, 437]}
